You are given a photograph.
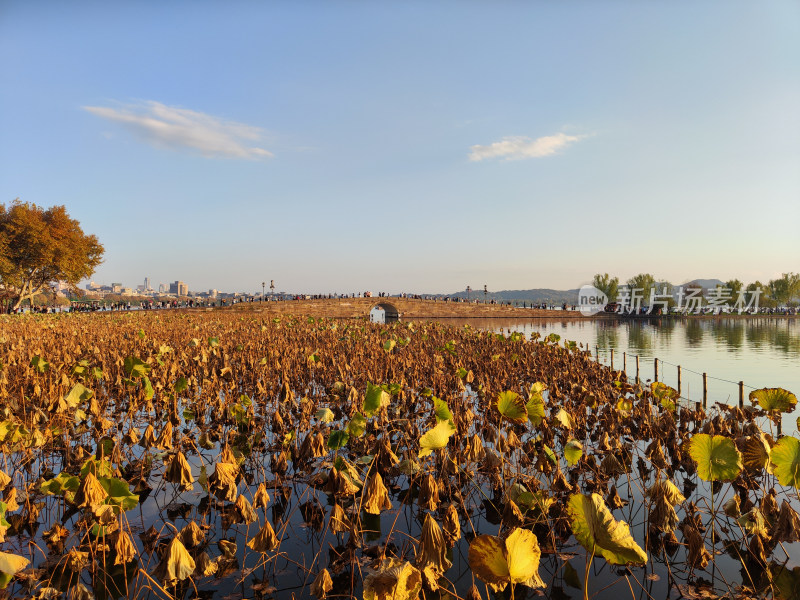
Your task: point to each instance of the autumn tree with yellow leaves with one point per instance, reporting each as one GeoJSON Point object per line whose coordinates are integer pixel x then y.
{"type": "Point", "coordinates": [39, 247]}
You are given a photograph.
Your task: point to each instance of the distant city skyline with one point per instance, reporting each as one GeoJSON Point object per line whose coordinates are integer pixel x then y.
{"type": "Point", "coordinates": [345, 146]}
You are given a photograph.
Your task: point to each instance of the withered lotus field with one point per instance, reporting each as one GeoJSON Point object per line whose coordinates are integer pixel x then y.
{"type": "Point", "coordinates": [226, 455]}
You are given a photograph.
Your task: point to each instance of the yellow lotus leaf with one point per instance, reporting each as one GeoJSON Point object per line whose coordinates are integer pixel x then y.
{"type": "Point", "coordinates": [180, 472]}
{"type": "Point", "coordinates": [513, 560]}
{"type": "Point", "coordinates": [512, 406]}
{"type": "Point", "coordinates": [261, 497]}
{"type": "Point", "coordinates": [339, 522]}
{"type": "Point", "coordinates": [598, 531]}
{"type": "Point", "coordinates": [717, 457]}
{"type": "Point", "coordinates": [393, 580]}
{"type": "Point", "coordinates": [90, 493]}
{"type": "Point", "coordinates": [223, 481]}
{"type": "Point", "coordinates": [265, 540]}
{"type": "Point", "coordinates": [164, 441]}
{"type": "Point", "coordinates": [376, 496]}
{"type": "Point", "coordinates": [10, 564]}
{"type": "Point", "coordinates": [432, 553]}
{"type": "Point", "coordinates": [245, 510]}
{"type": "Point", "coordinates": [124, 548]}
{"type": "Point", "coordinates": [191, 535]}
{"type": "Point", "coordinates": [436, 438]}
{"type": "Point", "coordinates": [322, 584]}
{"type": "Point", "coordinates": [177, 563]}
{"type": "Point", "coordinates": [205, 567]}
{"type": "Point", "coordinates": [755, 453]}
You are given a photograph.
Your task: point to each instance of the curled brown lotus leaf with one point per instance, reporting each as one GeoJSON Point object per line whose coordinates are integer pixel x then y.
{"type": "Point", "coordinates": [10, 498]}
{"type": "Point", "coordinates": [265, 540]}
{"type": "Point", "coordinates": [474, 452]}
{"type": "Point", "coordinates": [755, 451]}
{"type": "Point", "coordinates": [339, 522]}
{"type": "Point", "coordinates": [180, 472]}
{"type": "Point", "coordinates": [261, 498]}
{"type": "Point", "coordinates": [76, 560]}
{"type": "Point", "coordinates": [228, 549]}
{"type": "Point", "coordinates": [204, 566]}
{"type": "Point", "coordinates": [124, 548]}
{"type": "Point", "coordinates": [376, 497]}
{"type": "Point", "coordinates": [339, 484]}
{"type": "Point", "coordinates": [322, 584]}
{"type": "Point", "coordinates": [662, 515]}
{"type": "Point", "coordinates": [148, 438]}
{"type": "Point", "coordinates": [192, 535]}
{"type": "Point", "coordinates": [393, 580]}
{"type": "Point", "coordinates": [491, 460]}
{"type": "Point", "coordinates": [90, 493]}
{"type": "Point", "coordinates": [732, 507]}
{"type": "Point", "coordinates": [244, 510]}
{"type": "Point", "coordinates": [226, 456]}
{"type": "Point", "coordinates": [131, 438]}
{"type": "Point", "coordinates": [664, 488]}
{"type": "Point", "coordinates": [613, 499]}
{"type": "Point", "coordinates": [512, 515]}
{"type": "Point", "coordinates": [787, 526]}
{"type": "Point", "coordinates": [385, 458]}
{"type": "Point", "coordinates": [429, 493]}
{"type": "Point", "coordinates": [55, 534]}
{"type": "Point", "coordinates": [451, 524]}
{"type": "Point", "coordinates": [77, 592]}
{"type": "Point", "coordinates": [432, 553]}
{"type": "Point", "coordinates": [223, 481]}
{"type": "Point", "coordinates": [313, 446]}
{"type": "Point", "coordinates": [176, 564]}
{"type": "Point", "coordinates": [698, 555]}
{"type": "Point", "coordinates": [769, 506]}
{"type": "Point", "coordinates": [611, 466]}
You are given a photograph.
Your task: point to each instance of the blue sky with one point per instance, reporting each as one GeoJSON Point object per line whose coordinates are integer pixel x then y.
{"type": "Point", "coordinates": [409, 146]}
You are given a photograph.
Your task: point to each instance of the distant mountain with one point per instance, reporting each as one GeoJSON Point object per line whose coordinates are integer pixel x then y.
{"type": "Point", "coordinates": [704, 283]}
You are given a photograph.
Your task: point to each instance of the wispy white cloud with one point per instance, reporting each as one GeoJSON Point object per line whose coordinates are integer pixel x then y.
{"type": "Point", "coordinates": [518, 146]}
{"type": "Point", "coordinates": [181, 128]}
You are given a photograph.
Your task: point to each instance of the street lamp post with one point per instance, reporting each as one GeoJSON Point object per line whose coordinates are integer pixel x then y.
{"type": "Point", "coordinates": [263, 285]}
{"type": "Point", "coordinates": [271, 288]}
{"type": "Point", "coordinates": [485, 292]}
{"type": "Point", "coordinates": [469, 289]}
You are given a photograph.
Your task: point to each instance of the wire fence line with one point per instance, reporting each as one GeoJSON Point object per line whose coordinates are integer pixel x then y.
{"type": "Point", "coordinates": [659, 375]}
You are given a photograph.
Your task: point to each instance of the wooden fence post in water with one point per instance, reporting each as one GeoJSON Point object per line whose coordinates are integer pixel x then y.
{"type": "Point", "coordinates": [705, 390]}
{"type": "Point", "coordinates": [625, 362]}
{"type": "Point", "coordinates": [655, 364]}
{"type": "Point", "coordinates": [612, 359]}
{"type": "Point", "coordinates": [679, 380]}
{"type": "Point", "coordinates": [741, 394]}
{"type": "Point", "coordinates": [637, 368]}
{"type": "Point", "coordinates": [597, 353]}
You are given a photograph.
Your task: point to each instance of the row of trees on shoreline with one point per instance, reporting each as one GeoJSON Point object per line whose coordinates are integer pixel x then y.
{"type": "Point", "coordinates": [780, 292]}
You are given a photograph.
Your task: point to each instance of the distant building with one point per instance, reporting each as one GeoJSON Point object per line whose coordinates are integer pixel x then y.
{"type": "Point", "coordinates": [146, 283]}
{"type": "Point", "coordinates": [212, 293]}
{"type": "Point", "coordinates": [116, 288]}
{"type": "Point", "coordinates": [179, 288]}
{"type": "Point", "coordinates": [163, 288]}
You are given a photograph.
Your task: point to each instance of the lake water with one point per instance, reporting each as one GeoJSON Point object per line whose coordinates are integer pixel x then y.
{"type": "Point", "coordinates": [761, 352]}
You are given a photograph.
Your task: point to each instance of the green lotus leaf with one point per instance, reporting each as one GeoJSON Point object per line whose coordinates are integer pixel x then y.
{"type": "Point", "coordinates": [324, 415]}
{"type": "Point", "coordinates": [442, 410]}
{"type": "Point", "coordinates": [10, 564]}
{"type": "Point", "coordinates": [135, 368]}
{"type": "Point", "coordinates": [785, 459]}
{"type": "Point", "coordinates": [565, 419]}
{"type": "Point", "coordinates": [436, 438]}
{"type": "Point", "coordinates": [535, 405]}
{"type": "Point", "coordinates": [357, 425]}
{"type": "Point", "coordinates": [512, 407]}
{"type": "Point", "coordinates": [573, 450]}
{"type": "Point", "coordinates": [717, 458]}
{"type": "Point", "coordinates": [777, 399]}
{"type": "Point", "coordinates": [77, 394]}
{"type": "Point", "coordinates": [599, 532]}
{"type": "Point", "coordinates": [338, 439]}
{"type": "Point", "coordinates": [376, 398]}
{"type": "Point", "coordinates": [119, 494]}
{"type": "Point", "coordinates": [389, 345]}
